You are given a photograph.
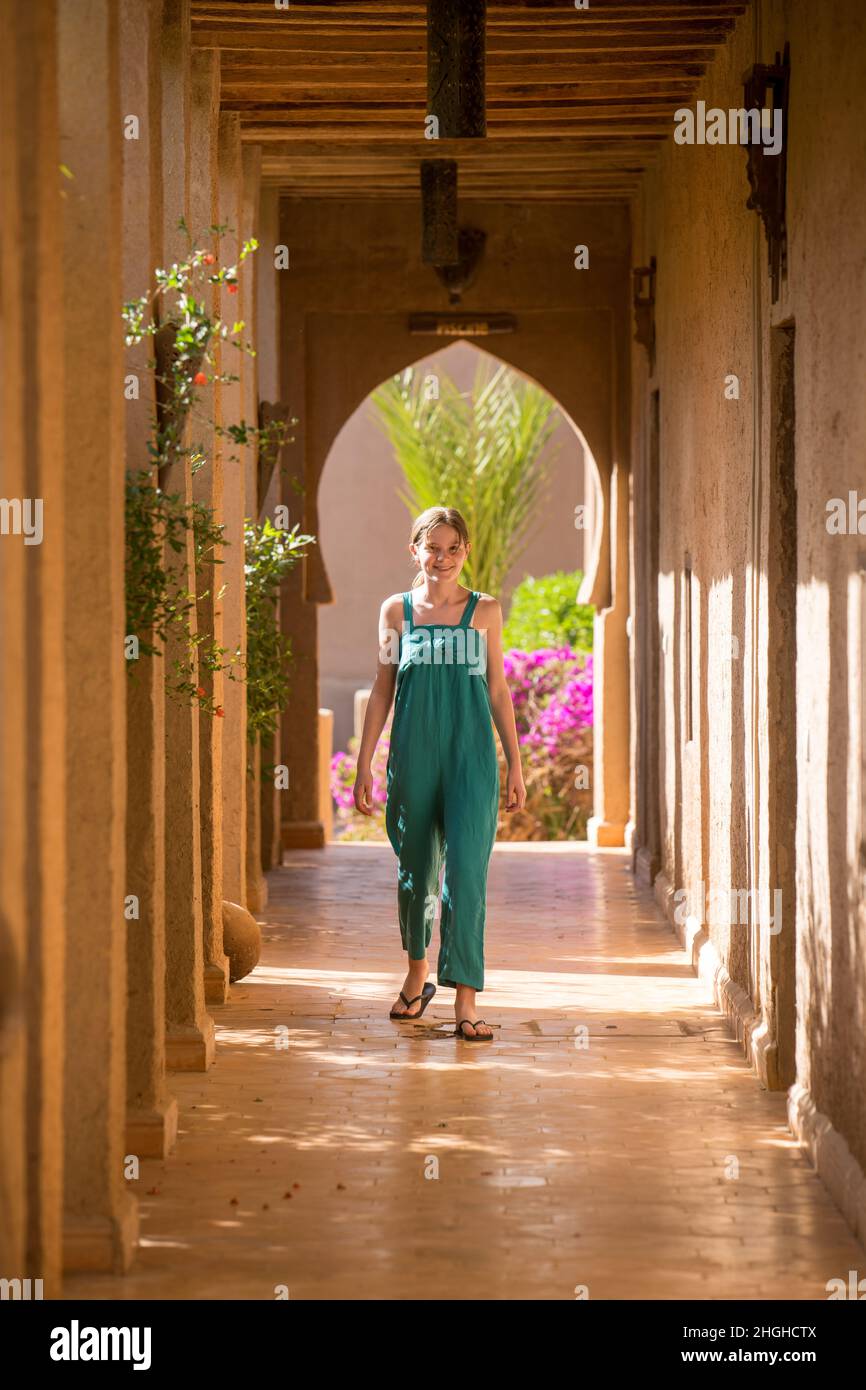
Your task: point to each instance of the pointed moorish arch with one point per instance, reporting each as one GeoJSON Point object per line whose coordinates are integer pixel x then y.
{"type": "Point", "coordinates": [341, 359]}
{"type": "Point", "coordinates": [594, 502]}
{"type": "Point", "coordinates": [597, 585]}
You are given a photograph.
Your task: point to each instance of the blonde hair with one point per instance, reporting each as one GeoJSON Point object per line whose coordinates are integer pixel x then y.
{"type": "Point", "coordinates": [436, 516]}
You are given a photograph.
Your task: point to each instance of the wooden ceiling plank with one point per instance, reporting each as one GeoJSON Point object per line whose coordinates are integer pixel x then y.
{"type": "Point", "coordinates": [579, 102]}
{"type": "Point", "coordinates": [262, 133]}
{"type": "Point", "coordinates": [260, 93]}
{"type": "Point", "coordinates": [360, 14]}
{"type": "Point", "coordinates": [542, 43]}
{"type": "Point", "coordinates": [407, 115]}
{"type": "Point", "coordinates": [419, 148]}
{"type": "Point", "coordinates": [516, 102]}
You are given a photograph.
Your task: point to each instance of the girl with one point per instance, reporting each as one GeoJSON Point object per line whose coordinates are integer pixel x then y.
{"type": "Point", "coordinates": [443, 774]}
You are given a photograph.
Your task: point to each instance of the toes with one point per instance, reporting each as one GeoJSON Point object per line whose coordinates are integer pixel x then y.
{"type": "Point", "coordinates": [479, 1030]}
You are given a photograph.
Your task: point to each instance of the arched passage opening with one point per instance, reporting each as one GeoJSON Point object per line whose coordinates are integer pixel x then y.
{"type": "Point", "coordinates": [363, 538]}
{"type": "Point", "coordinates": [332, 365]}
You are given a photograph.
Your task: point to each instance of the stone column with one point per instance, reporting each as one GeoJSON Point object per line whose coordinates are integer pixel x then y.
{"type": "Point", "coordinates": [302, 591]}
{"type": "Point", "coordinates": [208, 488]}
{"type": "Point", "coordinates": [257, 888]}
{"type": "Point", "coordinates": [611, 687]}
{"type": "Point", "coordinates": [251, 173]}
{"type": "Point", "coordinates": [268, 374]}
{"type": "Point", "coordinates": [189, 1028]}
{"type": "Point", "coordinates": [100, 1214]}
{"type": "Point", "coordinates": [235, 750]}
{"type": "Point", "coordinates": [32, 666]}
{"type": "Point", "coordinates": [151, 1111]}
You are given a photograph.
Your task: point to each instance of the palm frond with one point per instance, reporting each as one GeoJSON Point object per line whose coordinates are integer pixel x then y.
{"type": "Point", "coordinates": [479, 451]}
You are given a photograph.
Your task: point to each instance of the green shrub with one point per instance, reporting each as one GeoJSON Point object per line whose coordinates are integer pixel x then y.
{"type": "Point", "coordinates": [270, 554]}
{"type": "Point", "coordinates": [545, 613]}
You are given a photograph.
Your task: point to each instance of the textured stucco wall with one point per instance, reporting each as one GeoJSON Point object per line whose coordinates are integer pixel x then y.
{"type": "Point", "coordinates": [714, 316]}
{"type": "Point", "coordinates": [828, 301]}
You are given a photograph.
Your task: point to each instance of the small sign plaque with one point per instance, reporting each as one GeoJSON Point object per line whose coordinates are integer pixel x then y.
{"type": "Point", "coordinates": [462, 325]}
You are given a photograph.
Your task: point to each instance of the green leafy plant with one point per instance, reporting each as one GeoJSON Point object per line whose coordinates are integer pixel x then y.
{"type": "Point", "coordinates": [179, 317]}
{"type": "Point", "coordinates": [269, 555]}
{"type": "Point", "coordinates": [544, 612]}
{"type": "Point", "coordinates": [479, 452]}
{"type": "Point", "coordinates": [155, 597]}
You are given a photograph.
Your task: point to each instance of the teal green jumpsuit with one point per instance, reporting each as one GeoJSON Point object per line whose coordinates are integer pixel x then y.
{"type": "Point", "coordinates": [443, 791]}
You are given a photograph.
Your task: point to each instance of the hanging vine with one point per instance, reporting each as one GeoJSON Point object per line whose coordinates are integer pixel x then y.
{"type": "Point", "coordinates": [176, 315]}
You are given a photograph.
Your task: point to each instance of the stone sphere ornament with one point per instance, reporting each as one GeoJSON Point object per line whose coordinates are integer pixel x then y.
{"type": "Point", "coordinates": [242, 940]}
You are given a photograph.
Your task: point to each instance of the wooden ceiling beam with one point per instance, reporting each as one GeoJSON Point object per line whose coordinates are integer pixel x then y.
{"type": "Point", "coordinates": [262, 133]}
{"type": "Point", "coordinates": [364, 12]}
{"type": "Point", "coordinates": [697, 47]}
{"type": "Point", "coordinates": [578, 101]}
{"type": "Point", "coordinates": [491, 190]}
{"type": "Point", "coordinates": [693, 33]}
{"type": "Point", "coordinates": [577, 195]}
{"type": "Point", "coordinates": [409, 168]}
{"type": "Point", "coordinates": [714, 29]}
{"type": "Point", "coordinates": [501, 148]}
{"type": "Point", "coordinates": [407, 116]}
{"type": "Point", "coordinates": [332, 73]}
{"type": "Point", "coordinates": [257, 95]}
{"type": "Point", "coordinates": [566, 97]}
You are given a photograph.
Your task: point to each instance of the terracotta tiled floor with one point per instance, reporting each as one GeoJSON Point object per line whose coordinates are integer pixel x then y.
{"type": "Point", "coordinates": [303, 1154]}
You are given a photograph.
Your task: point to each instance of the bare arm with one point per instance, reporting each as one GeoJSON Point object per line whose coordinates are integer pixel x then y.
{"type": "Point", "coordinates": [500, 695]}
{"type": "Point", "coordinates": [381, 698]}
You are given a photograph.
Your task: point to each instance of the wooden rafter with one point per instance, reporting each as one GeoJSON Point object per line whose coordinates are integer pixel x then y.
{"type": "Point", "coordinates": [577, 101]}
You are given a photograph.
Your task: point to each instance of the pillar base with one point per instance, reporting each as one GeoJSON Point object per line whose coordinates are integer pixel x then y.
{"type": "Point", "coordinates": [102, 1245]}
{"type": "Point", "coordinates": [151, 1131]}
{"type": "Point", "coordinates": [303, 834]}
{"type": "Point", "coordinates": [605, 833]}
{"type": "Point", "coordinates": [190, 1049]}
{"type": "Point", "coordinates": [216, 981]}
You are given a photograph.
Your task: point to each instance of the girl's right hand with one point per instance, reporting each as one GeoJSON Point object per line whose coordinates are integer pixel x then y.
{"type": "Point", "coordinates": [363, 791]}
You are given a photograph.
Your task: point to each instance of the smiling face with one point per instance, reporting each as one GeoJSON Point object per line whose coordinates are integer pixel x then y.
{"type": "Point", "coordinates": [441, 553]}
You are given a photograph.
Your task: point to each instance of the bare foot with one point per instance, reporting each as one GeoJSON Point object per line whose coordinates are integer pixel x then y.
{"type": "Point", "coordinates": [473, 1030]}
{"type": "Point", "coordinates": [464, 1009]}
{"type": "Point", "coordinates": [412, 987]}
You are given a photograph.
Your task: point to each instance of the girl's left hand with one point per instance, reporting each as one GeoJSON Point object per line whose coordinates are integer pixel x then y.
{"type": "Point", "coordinates": [515, 790]}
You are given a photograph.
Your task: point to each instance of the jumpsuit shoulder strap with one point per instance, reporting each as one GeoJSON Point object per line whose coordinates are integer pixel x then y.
{"type": "Point", "coordinates": [407, 609]}
{"type": "Point", "coordinates": [470, 608]}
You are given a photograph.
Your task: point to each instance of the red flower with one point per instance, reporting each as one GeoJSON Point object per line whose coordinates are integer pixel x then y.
{"type": "Point", "coordinates": [200, 690]}
{"type": "Point", "coordinates": [232, 289]}
{"type": "Point", "coordinates": [208, 258]}
{"type": "Point", "coordinates": [219, 712]}
{"type": "Point", "coordinates": [200, 379]}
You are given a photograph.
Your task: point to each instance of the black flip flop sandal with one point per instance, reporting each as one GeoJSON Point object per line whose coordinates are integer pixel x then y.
{"type": "Point", "coordinates": [476, 1037]}
{"type": "Point", "coordinates": [426, 994]}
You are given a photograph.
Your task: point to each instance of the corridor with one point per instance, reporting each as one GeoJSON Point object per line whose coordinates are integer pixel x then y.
{"type": "Point", "coordinates": [304, 1151]}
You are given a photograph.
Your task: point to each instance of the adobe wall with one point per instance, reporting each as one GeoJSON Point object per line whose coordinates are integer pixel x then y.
{"type": "Point", "coordinates": [714, 316]}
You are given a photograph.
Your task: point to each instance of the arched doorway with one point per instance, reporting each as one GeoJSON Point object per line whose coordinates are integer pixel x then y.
{"type": "Point", "coordinates": [364, 528]}
{"type": "Point", "coordinates": [364, 521]}
{"type": "Point", "coordinates": [340, 360]}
